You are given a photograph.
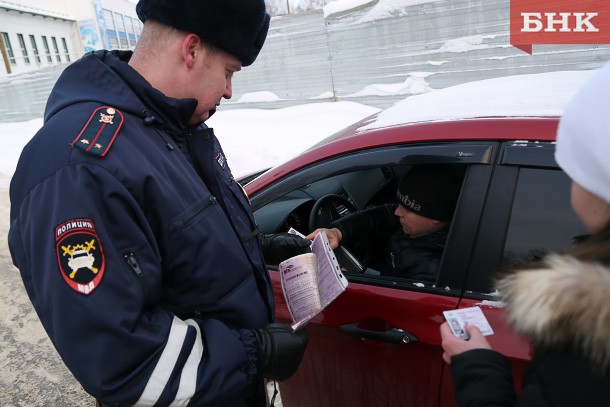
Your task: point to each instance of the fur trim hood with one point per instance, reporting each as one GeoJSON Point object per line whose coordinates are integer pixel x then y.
{"type": "Point", "coordinates": [563, 303]}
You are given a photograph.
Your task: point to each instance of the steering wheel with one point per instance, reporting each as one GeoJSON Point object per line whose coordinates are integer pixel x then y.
{"type": "Point", "coordinates": [327, 209]}
{"type": "Point", "coordinates": [332, 207]}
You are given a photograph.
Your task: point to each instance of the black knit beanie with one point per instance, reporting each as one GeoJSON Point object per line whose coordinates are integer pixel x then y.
{"type": "Point", "coordinates": [238, 27]}
{"type": "Point", "coordinates": [430, 190]}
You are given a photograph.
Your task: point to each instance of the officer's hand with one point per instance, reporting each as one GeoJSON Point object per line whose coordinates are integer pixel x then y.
{"type": "Point", "coordinates": [280, 350]}
{"type": "Point", "coordinates": [281, 246]}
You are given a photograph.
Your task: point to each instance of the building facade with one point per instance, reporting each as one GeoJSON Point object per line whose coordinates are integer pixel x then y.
{"type": "Point", "coordinates": [36, 34]}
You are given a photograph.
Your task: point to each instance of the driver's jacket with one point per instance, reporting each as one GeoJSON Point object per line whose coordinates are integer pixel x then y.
{"type": "Point", "coordinates": [159, 309]}
{"type": "Point", "coordinates": [412, 257]}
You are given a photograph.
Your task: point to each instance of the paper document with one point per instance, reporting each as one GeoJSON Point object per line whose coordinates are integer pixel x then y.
{"type": "Point", "coordinates": [311, 281]}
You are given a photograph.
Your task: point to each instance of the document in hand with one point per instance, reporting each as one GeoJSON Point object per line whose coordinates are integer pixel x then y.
{"type": "Point", "coordinates": [311, 281]}
{"type": "Point", "coordinates": [458, 318]}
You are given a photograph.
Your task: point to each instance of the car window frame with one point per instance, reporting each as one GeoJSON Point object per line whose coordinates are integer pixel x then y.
{"type": "Point", "coordinates": [479, 155]}
{"type": "Point", "coordinates": [495, 220]}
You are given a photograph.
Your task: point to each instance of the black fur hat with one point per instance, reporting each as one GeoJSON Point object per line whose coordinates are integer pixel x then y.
{"type": "Point", "coordinates": [238, 27]}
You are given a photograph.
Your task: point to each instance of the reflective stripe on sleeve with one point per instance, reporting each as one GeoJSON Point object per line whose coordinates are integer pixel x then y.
{"type": "Point", "coordinates": [188, 378]}
{"type": "Point", "coordinates": [162, 372]}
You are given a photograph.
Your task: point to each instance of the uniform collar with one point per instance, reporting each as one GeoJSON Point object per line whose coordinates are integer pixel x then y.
{"type": "Point", "coordinates": [170, 112]}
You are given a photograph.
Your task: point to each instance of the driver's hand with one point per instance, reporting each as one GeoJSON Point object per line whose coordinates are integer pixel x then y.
{"type": "Point", "coordinates": [334, 236]}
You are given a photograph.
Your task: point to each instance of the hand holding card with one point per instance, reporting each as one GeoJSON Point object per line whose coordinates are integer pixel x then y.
{"type": "Point", "coordinates": [458, 318]}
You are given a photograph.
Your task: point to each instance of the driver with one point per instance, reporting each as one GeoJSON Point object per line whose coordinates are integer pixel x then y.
{"type": "Point", "coordinates": [418, 226]}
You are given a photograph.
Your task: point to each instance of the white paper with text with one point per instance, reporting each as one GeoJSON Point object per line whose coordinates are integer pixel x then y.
{"type": "Point", "coordinates": [311, 281]}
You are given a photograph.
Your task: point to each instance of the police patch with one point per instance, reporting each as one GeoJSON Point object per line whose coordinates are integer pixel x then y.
{"type": "Point", "coordinates": [80, 255]}
{"type": "Point", "coordinates": [100, 131]}
{"type": "Point", "coordinates": [221, 160]}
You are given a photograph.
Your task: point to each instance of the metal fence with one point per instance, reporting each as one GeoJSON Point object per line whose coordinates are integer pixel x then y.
{"type": "Point", "coordinates": [361, 56]}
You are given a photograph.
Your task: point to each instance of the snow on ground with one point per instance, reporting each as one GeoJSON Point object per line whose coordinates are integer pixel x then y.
{"type": "Point", "coordinates": [252, 139]}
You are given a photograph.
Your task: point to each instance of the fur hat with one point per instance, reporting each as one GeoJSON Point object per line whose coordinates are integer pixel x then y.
{"type": "Point", "coordinates": [430, 190]}
{"type": "Point", "coordinates": [583, 138]}
{"type": "Point", "coordinates": [238, 27]}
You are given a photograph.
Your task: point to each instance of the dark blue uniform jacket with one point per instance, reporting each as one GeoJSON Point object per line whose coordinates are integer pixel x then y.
{"type": "Point", "coordinates": [137, 247]}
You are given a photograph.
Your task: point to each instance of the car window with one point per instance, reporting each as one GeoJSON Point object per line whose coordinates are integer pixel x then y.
{"type": "Point", "coordinates": [378, 249]}
{"type": "Point", "coordinates": [541, 219]}
{"type": "Point", "coordinates": [527, 214]}
{"type": "Point", "coordinates": [368, 179]}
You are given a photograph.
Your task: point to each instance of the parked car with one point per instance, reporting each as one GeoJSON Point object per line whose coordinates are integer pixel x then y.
{"type": "Point", "coordinates": [378, 344]}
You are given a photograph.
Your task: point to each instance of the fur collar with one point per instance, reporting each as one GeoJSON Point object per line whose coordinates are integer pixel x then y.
{"type": "Point", "coordinates": [563, 303]}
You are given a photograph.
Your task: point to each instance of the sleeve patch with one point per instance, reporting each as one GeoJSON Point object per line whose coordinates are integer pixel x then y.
{"type": "Point", "coordinates": [100, 131]}
{"type": "Point", "coordinates": [80, 255]}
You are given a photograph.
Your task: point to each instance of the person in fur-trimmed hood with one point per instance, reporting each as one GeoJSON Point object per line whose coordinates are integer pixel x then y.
{"type": "Point", "coordinates": [562, 303]}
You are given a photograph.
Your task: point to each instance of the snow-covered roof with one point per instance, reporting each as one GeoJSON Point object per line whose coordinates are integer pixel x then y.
{"type": "Point", "coordinates": [34, 11]}
{"type": "Point", "coordinates": [378, 8]}
{"type": "Point", "coordinates": [533, 95]}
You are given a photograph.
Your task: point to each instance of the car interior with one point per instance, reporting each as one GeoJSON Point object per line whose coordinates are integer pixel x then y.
{"type": "Point", "coordinates": [317, 204]}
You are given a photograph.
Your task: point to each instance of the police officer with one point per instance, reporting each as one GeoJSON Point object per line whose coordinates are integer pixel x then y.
{"type": "Point", "coordinates": [137, 247]}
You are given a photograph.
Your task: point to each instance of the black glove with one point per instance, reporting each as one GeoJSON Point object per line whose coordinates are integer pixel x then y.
{"type": "Point", "coordinates": [281, 246]}
{"type": "Point", "coordinates": [280, 350]}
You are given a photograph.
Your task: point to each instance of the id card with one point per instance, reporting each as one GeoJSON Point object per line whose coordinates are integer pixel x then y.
{"type": "Point", "coordinates": [458, 318]}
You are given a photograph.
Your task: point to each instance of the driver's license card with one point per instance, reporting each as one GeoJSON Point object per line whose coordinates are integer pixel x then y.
{"type": "Point", "coordinates": [458, 318]}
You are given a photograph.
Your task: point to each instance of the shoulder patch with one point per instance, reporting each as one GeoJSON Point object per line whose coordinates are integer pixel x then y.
{"type": "Point", "coordinates": [100, 131]}
{"type": "Point", "coordinates": [80, 255]}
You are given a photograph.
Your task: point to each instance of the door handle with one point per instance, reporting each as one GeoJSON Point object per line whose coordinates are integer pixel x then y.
{"type": "Point", "coordinates": [394, 335]}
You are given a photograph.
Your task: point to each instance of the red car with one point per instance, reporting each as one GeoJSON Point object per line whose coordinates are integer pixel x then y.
{"type": "Point", "coordinates": [378, 343]}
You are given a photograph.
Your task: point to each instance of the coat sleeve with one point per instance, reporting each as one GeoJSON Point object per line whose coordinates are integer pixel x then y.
{"type": "Point", "coordinates": [368, 224]}
{"type": "Point", "coordinates": [91, 266]}
{"type": "Point", "coordinates": [482, 378]}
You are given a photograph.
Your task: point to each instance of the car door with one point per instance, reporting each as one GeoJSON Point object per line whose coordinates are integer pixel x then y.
{"type": "Point", "coordinates": [378, 343]}
{"type": "Point", "coordinates": [527, 215]}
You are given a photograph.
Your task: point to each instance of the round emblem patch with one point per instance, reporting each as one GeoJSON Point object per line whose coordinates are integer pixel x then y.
{"type": "Point", "coordinates": [80, 255]}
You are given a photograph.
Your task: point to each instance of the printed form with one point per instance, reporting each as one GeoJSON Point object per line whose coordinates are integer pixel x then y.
{"type": "Point", "coordinates": [311, 281]}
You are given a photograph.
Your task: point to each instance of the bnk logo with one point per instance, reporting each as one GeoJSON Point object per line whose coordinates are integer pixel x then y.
{"type": "Point", "coordinates": [533, 22]}
{"type": "Point", "coordinates": [559, 22]}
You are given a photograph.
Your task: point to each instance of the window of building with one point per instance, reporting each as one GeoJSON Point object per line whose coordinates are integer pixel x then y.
{"type": "Point", "coordinates": [35, 48]}
{"type": "Point", "coordinates": [24, 50]}
{"type": "Point", "coordinates": [56, 49]}
{"type": "Point", "coordinates": [129, 29]}
{"type": "Point", "coordinates": [66, 52]}
{"type": "Point", "coordinates": [137, 25]}
{"type": "Point", "coordinates": [9, 48]}
{"type": "Point", "coordinates": [47, 50]}
{"type": "Point", "coordinates": [120, 20]}
{"type": "Point", "coordinates": [122, 34]}
{"type": "Point", "coordinates": [114, 42]}
{"type": "Point", "coordinates": [109, 20]}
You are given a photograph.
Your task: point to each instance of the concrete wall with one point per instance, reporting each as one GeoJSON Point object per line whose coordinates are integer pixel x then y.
{"type": "Point", "coordinates": [430, 45]}
{"type": "Point", "coordinates": [376, 61]}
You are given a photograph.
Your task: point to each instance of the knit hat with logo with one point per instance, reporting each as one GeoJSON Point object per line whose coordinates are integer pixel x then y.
{"type": "Point", "coordinates": [430, 190]}
{"type": "Point", "coordinates": [583, 137]}
{"type": "Point", "coordinates": [238, 27]}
